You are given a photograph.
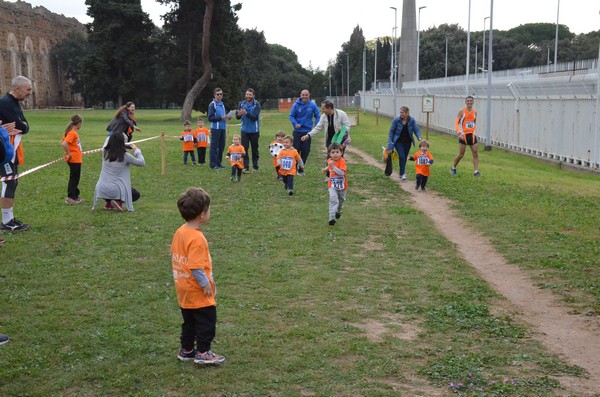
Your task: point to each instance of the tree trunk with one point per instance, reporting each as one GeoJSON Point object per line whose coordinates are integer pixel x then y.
{"type": "Point", "coordinates": [198, 87]}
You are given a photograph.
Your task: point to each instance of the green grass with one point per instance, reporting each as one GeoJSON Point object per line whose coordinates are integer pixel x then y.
{"type": "Point", "coordinates": [379, 305]}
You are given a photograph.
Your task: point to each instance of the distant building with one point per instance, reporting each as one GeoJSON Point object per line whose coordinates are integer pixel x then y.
{"type": "Point", "coordinates": [27, 36]}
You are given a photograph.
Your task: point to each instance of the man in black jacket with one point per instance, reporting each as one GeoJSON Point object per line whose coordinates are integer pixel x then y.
{"type": "Point", "coordinates": [11, 112]}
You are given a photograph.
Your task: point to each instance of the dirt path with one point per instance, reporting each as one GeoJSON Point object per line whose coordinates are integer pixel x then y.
{"type": "Point", "coordinates": [572, 337]}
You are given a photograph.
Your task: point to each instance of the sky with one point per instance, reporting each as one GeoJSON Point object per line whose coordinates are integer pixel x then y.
{"type": "Point", "coordinates": [316, 29]}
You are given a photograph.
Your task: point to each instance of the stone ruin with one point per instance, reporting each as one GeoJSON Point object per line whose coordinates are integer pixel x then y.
{"type": "Point", "coordinates": [27, 35]}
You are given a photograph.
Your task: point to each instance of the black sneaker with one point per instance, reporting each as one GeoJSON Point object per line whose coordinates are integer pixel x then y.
{"type": "Point", "coordinates": [186, 356]}
{"type": "Point", "coordinates": [338, 215]}
{"type": "Point", "coordinates": [14, 226]}
{"type": "Point", "coordinates": [4, 339]}
{"type": "Point", "coordinates": [331, 222]}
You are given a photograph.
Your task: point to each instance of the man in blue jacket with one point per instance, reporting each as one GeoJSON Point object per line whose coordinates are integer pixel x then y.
{"type": "Point", "coordinates": [303, 116]}
{"type": "Point", "coordinates": [217, 115]}
{"type": "Point", "coordinates": [249, 112]}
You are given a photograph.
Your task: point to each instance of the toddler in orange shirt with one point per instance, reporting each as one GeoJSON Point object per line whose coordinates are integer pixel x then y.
{"type": "Point", "coordinates": [193, 279]}
{"type": "Point", "coordinates": [288, 160]}
{"type": "Point", "coordinates": [202, 140]}
{"type": "Point", "coordinates": [189, 141]}
{"type": "Point", "coordinates": [423, 159]}
{"type": "Point", "coordinates": [274, 149]}
{"type": "Point", "coordinates": [337, 181]}
{"type": "Point", "coordinates": [235, 154]}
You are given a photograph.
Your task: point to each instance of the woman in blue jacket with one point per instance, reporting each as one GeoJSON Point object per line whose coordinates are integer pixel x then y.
{"type": "Point", "coordinates": [402, 132]}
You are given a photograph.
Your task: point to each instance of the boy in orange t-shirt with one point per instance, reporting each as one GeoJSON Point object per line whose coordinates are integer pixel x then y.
{"type": "Point", "coordinates": [274, 148]}
{"type": "Point", "coordinates": [288, 160]}
{"type": "Point", "coordinates": [337, 182]}
{"type": "Point", "coordinates": [194, 283]}
{"type": "Point", "coordinates": [74, 157]}
{"type": "Point", "coordinates": [423, 159]}
{"type": "Point", "coordinates": [235, 154]}
{"type": "Point", "coordinates": [189, 142]}
{"type": "Point", "coordinates": [202, 139]}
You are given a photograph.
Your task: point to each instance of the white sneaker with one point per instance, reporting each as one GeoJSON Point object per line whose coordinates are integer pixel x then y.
{"type": "Point", "coordinates": [403, 177]}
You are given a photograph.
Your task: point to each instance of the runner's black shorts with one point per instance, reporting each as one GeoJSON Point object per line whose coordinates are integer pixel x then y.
{"type": "Point", "coordinates": [469, 140]}
{"type": "Point", "coordinates": [8, 188]}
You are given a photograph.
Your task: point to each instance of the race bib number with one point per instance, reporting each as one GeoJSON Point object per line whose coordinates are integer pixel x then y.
{"type": "Point", "coordinates": [337, 182]}
{"type": "Point", "coordinates": [236, 156]}
{"type": "Point", "coordinates": [202, 138]}
{"type": "Point", "coordinates": [287, 162]}
{"type": "Point", "coordinates": [188, 137]}
{"type": "Point", "coordinates": [423, 160]}
{"type": "Point", "coordinates": [470, 124]}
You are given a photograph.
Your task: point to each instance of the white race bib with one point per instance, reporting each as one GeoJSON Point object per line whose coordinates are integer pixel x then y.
{"type": "Point", "coordinates": [287, 162]}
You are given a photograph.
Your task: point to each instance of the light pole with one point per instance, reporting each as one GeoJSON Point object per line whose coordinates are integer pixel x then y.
{"type": "Point", "coordinates": [446, 75]}
{"type": "Point", "coordinates": [556, 37]}
{"type": "Point", "coordinates": [375, 67]}
{"type": "Point", "coordinates": [483, 52]}
{"type": "Point", "coordinates": [347, 77]}
{"type": "Point", "coordinates": [392, 72]}
{"type": "Point", "coordinates": [329, 79]}
{"type": "Point", "coordinates": [488, 126]}
{"type": "Point", "coordinates": [468, 47]}
{"type": "Point", "coordinates": [418, 44]}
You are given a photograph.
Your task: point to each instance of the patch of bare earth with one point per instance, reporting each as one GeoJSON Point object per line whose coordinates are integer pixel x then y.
{"type": "Point", "coordinates": [574, 338]}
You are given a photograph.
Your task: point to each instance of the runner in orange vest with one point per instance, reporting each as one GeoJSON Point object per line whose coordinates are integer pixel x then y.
{"type": "Point", "coordinates": [465, 125]}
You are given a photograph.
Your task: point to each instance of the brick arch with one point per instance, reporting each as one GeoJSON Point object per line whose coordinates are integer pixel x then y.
{"type": "Point", "coordinates": [13, 55]}
{"type": "Point", "coordinates": [29, 54]}
{"type": "Point", "coordinates": [45, 59]}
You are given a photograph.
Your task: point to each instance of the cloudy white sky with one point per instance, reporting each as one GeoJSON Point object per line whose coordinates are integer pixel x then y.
{"type": "Point", "coordinates": [315, 29]}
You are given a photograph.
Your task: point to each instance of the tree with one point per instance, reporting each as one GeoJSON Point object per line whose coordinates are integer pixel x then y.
{"type": "Point", "coordinates": [69, 56]}
{"type": "Point", "coordinates": [199, 85]}
{"type": "Point", "coordinates": [117, 65]}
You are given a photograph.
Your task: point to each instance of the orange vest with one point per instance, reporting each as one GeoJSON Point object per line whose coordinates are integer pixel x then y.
{"type": "Point", "coordinates": [466, 123]}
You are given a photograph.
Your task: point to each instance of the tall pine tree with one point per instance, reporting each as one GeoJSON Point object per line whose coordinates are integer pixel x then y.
{"type": "Point", "coordinates": [118, 67]}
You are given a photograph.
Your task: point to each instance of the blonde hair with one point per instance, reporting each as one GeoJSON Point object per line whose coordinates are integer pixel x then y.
{"type": "Point", "coordinates": [236, 136]}
{"type": "Point", "coordinates": [424, 143]}
{"type": "Point", "coordinates": [75, 120]}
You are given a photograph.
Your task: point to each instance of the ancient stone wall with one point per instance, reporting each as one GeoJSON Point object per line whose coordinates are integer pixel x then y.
{"type": "Point", "coordinates": [27, 35]}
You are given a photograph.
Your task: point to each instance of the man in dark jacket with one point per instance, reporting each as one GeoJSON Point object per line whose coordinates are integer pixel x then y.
{"type": "Point", "coordinates": [11, 112]}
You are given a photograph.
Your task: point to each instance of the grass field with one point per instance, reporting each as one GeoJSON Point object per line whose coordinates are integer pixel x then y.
{"type": "Point", "coordinates": [379, 305]}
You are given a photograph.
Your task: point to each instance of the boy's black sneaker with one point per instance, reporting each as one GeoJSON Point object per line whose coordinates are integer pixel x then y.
{"type": "Point", "coordinates": [14, 226]}
{"type": "Point", "coordinates": [338, 215]}
{"type": "Point", "coordinates": [331, 222]}
{"type": "Point", "coordinates": [186, 356]}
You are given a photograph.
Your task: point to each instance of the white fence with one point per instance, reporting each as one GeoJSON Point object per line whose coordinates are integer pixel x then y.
{"type": "Point", "coordinates": [559, 127]}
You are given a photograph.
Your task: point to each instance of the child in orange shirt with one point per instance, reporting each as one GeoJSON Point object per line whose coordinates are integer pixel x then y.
{"type": "Point", "coordinates": [202, 138]}
{"type": "Point", "coordinates": [337, 182]}
{"type": "Point", "coordinates": [423, 159]}
{"type": "Point", "coordinates": [235, 154]}
{"type": "Point", "coordinates": [288, 160]}
{"type": "Point", "coordinates": [189, 141]}
{"type": "Point", "coordinates": [274, 149]}
{"type": "Point", "coordinates": [73, 156]}
{"type": "Point", "coordinates": [194, 283]}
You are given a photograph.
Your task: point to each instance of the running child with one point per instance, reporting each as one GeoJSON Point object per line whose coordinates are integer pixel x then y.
{"type": "Point", "coordinates": [288, 160]}
{"type": "Point", "coordinates": [194, 282]}
{"type": "Point", "coordinates": [189, 141]}
{"type": "Point", "coordinates": [74, 158]}
{"type": "Point", "coordinates": [423, 159]}
{"type": "Point", "coordinates": [337, 182]}
{"type": "Point", "coordinates": [235, 154]}
{"type": "Point", "coordinates": [274, 148]}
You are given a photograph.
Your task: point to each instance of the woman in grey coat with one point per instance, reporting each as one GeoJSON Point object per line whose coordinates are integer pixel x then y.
{"type": "Point", "coordinates": [114, 185]}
